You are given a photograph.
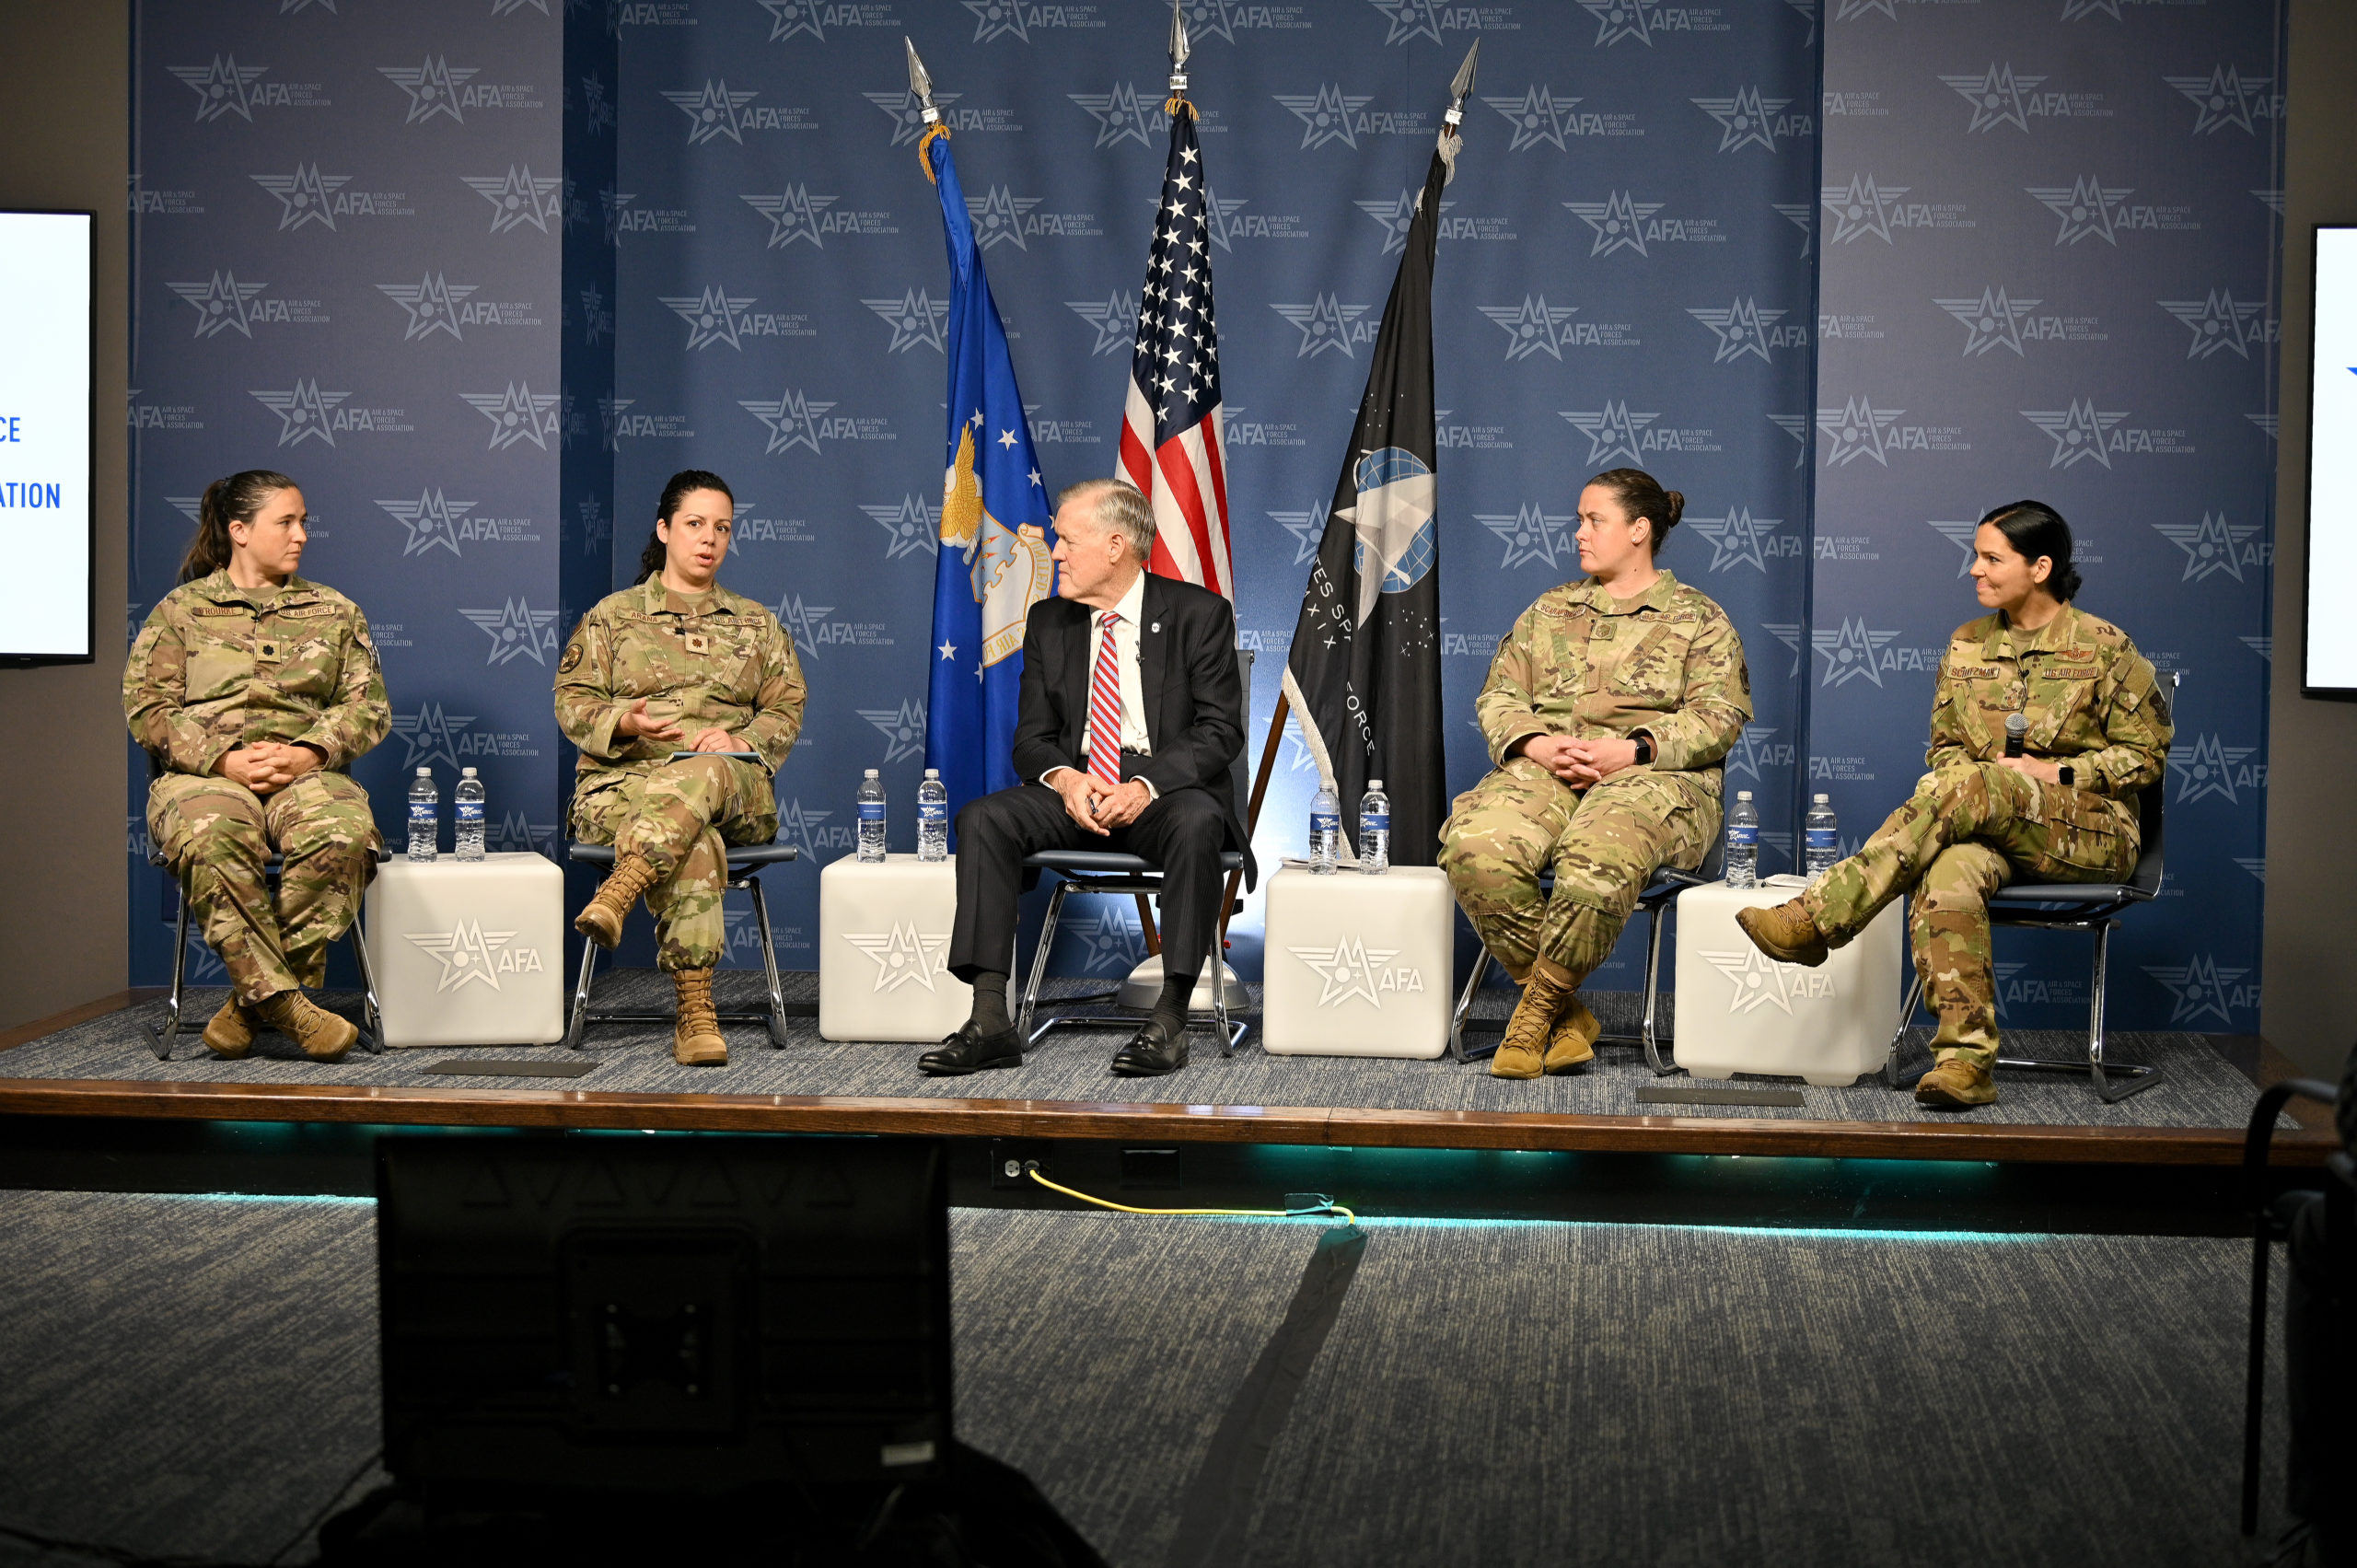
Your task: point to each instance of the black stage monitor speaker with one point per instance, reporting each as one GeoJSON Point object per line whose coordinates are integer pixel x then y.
{"type": "Point", "coordinates": [662, 1316]}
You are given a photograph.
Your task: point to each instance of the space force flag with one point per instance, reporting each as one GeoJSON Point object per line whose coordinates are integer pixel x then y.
{"type": "Point", "coordinates": [1363, 675]}
{"type": "Point", "coordinates": [997, 529]}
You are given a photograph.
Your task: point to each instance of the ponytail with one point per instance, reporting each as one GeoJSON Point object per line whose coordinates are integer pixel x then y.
{"type": "Point", "coordinates": [235, 499]}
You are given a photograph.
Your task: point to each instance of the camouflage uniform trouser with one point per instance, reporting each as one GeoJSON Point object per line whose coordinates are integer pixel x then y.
{"type": "Point", "coordinates": [681, 817]}
{"type": "Point", "coordinates": [215, 833]}
{"type": "Point", "coordinates": [1603, 844]}
{"type": "Point", "coordinates": [1968, 831]}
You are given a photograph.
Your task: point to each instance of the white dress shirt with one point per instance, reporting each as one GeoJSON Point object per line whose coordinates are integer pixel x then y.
{"type": "Point", "coordinates": [1131, 607]}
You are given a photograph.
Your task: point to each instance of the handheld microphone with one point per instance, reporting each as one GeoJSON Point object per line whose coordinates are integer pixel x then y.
{"type": "Point", "coordinates": [2017, 727]}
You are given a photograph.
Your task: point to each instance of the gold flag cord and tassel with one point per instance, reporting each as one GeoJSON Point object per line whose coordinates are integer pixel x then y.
{"type": "Point", "coordinates": [924, 159]}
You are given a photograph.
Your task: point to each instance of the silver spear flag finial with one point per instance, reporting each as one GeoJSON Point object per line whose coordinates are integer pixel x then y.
{"type": "Point", "coordinates": [1460, 89]}
{"type": "Point", "coordinates": [1180, 48]}
{"type": "Point", "coordinates": [921, 84]}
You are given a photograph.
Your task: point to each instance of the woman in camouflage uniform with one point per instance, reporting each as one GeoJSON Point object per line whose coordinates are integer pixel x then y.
{"type": "Point", "coordinates": [252, 691]}
{"type": "Point", "coordinates": [1607, 708]}
{"type": "Point", "coordinates": [2064, 811]}
{"type": "Point", "coordinates": [677, 663]}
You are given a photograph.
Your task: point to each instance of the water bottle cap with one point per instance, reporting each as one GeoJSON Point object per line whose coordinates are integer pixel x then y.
{"type": "Point", "coordinates": [1743, 794]}
{"type": "Point", "coordinates": [470, 772]}
{"type": "Point", "coordinates": [932, 772]}
{"type": "Point", "coordinates": [871, 773]}
{"type": "Point", "coordinates": [1374, 784]}
{"type": "Point", "coordinates": [425, 773]}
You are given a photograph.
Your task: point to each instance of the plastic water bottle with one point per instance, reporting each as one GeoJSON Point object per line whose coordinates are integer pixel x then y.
{"type": "Point", "coordinates": [1821, 839]}
{"type": "Point", "coordinates": [425, 816]}
{"type": "Point", "coordinates": [1375, 829]}
{"type": "Point", "coordinates": [1325, 832]}
{"type": "Point", "coordinates": [466, 837]}
{"type": "Point", "coordinates": [932, 816]}
{"type": "Point", "coordinates": [1743, 842]}
{"type": "Point", "coordinates": [871, 818]}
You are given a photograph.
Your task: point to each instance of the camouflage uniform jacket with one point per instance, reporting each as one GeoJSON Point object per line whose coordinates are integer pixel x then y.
{"type": "Point", "coordinates": [219, 667]}
{"type": "Point", "coordinates": [2090, 697]}
{"type": "Point", "coordinates": [719, 658]}
{"type": "Point", "coordinates": [1583, 663]}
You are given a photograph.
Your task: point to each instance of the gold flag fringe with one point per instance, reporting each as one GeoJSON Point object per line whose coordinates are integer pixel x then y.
{"type": "Point", "coordinates": [924, 159]}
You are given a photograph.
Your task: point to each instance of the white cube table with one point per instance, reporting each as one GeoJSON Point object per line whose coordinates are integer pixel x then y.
{"type": "Point", "coordinates": [883, 950]}
{"type": "Point", "coordinates": [1356, 965]}
{"type": "Point", "coordinates": [469, 952]}
{"type": "Point", "coordinates": [1739, 1011]}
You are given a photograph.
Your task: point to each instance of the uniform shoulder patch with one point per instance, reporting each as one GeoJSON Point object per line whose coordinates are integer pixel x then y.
{"type": "Point", "coordinates": [573, 653]}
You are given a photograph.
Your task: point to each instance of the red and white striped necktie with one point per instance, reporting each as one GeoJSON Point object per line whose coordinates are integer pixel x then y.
{"type": "Point", "coordinates": [1105, 707]}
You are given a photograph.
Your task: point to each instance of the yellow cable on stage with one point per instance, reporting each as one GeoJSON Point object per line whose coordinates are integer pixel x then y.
{"type": "Point", "coordinates": [1329, 1205]}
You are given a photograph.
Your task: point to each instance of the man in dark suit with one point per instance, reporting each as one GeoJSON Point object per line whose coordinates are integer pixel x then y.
{"type": "Point", "coordinates": [1132, 715]}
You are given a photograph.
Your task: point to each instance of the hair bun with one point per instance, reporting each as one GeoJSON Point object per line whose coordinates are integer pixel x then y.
{"type": "Point", "coordinates": [1676, 508]}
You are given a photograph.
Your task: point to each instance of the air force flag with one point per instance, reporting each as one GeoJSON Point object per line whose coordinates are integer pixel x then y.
{"type": "Point", "coordinates": [997, 529]}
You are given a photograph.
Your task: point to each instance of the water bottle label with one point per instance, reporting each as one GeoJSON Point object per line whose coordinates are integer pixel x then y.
{"type": "Point", "coordinates": [1325, 822]}
{"type": "Point", "coordinates": [421, 814]}
{"type": "Point", "coordinates": [1742, 838]}
{"type": "Point", "coordinates": [1374, 821]}
{"type": "Point", "coordinates": [1821, 839]}
{"type": "Point", "coordinates": [871, 811]}
{"type": "Point", "coordinates": [470, 814]}
{"type": "Point", "coordinates": [932, 813]}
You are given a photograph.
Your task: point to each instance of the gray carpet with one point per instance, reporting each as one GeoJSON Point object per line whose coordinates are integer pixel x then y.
{"type": "Point", "coordinates": [198, 1377]}
{"type": "Point", "coordinates": [2201, 1089]}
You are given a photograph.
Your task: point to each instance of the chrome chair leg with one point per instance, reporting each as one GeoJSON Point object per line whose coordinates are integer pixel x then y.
{"type": "Point", "coordinates": [1215, 967]}
{"type": "Point", "coordinates": [160, 1041]}
{"type": "Point", "coordinates": [1906, 1016]}
{"type": "Point", "coordinates": [578, 1024]}
{"type": "Point", "coordinates": [752, 884]}
{"type": "Point", "coordinates": [372, 1030]}
{"type": "Point", "coordinates": [1653, 998]}
{"type": "Point", "coordinates": [1040, 966]}
{"type": "Point", "coordinates": [1465, 1008]}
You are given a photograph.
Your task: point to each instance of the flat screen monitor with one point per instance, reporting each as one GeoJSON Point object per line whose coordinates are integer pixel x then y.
{"type": "Point", "coordinates": [46, 430]}
{"type": "Point", "coordinates": [2331, 653]}
{"type": "Point", "coordinates": [614, 1315]}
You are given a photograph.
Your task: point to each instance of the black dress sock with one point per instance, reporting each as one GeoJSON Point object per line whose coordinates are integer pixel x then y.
{"type": "Point", "coordinates": [990, 1003]}
{"type": "Point", "coordinates": [1170, 1007]}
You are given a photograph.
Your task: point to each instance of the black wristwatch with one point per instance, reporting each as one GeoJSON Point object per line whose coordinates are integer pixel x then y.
{"type": "Point", "coordinates": [2070, 775]}
{"type": "Point", "coordinates": [1645, 749]}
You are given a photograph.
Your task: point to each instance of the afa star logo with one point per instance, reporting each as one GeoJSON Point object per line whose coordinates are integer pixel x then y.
{"type": "Point", "coordinates": [1849, 652]}
{"type": "Point", "coordinates": [220, 305]}
{"type": "Point", "coordinates": [515, 834]}
{"type": "Point", "coordinates": [807, 828]}
{"type": "Point", "coordinates": [1325, 323]}
{"type": "Point", "coordinates": [304, 195]}
{"type": "Point", "coordinates": [516, 631]}
{"type": "Point", "coordinates": [2220, 322]}
{"type": "Point", "coordinates": [433, 87]}
{"type": "Point", "coordinates": [221, 87]}
{"type": "Point", "coordinates": [2212, 546]}
{"type": "Point", "coordinates": [1802, 216]}
{"type": "Point", "coordinates": [1395, 217]}
{"type": "Point", "coordinates": [789, 18]}
{"type": "Point", "coordinates": [2199, 988]}
{"type": "Point", "coordinates": [1115, 317]}
{"type": "Point", "coordinates": [914, 525]}
{"type": "Point", "coordinates": [1536, 116]}
{"type": "Point", "coordinates": [517, 197]}
{"type": "Point", "coordinates": [1618, 222]}
{"type": "Point", "coordinates": [1742, 328]}
{"type": "Point", "coordinates": [2207, 767]}
{"type": "Point", "coordinates": [432, 303]}
{"type": "Point", "coordinates": [1531, 534]}
{"type": "Point", "coordinates": [2226, 97]}
{"type": "Point", "coordinates": [805, 624]}
{"type": "Point", "coordinates": [915, 320]}
{"type": "Point", "coordinates": [432, 735]}
{"type": "Point", "coordinates": [2089, 209]}
{"type": "Point", "coordinates": [1797, 426]}
{"type": "Point", "coordinates": [1958, 533]}
{"type": "Point", "coordinates": [1858, 429]}
{"type": "Point", "coordinates": [1740, 540]}
{"type": "Point", "coordinates": [998, 217]}
{"type": "Point", "coordinates": [793, 214]}
{"type": "Point", "coordinates": [908, 115]}
{"type": "Point", "coordinates": [1996, 95]}
{"type": "Point", "coordinates": [2255, 865]}
{"type": "Point", "coordinates": [713, 112]}
{"type": "Point", "coordinates": [303, 411]}
{"type": "Point", "coordinates": [1754, 749]}
{"type": "Point", "coordinates": [1861, 207]}
{"type": "Point", "coordinates": [432, 521]}
{"type": "Point", "coordinates": [1327, 115]}
{"type": "Point", "coordinates": [1760, 982]}
{"type": "Point", "coordinates": [469, 954]}
{"type": "Point", "coordinates": [902, 729]}
{"type": "Point", "coordinates": [596, 106]}
{"type": "Point", "coordinates": [711, 317]}
{"type": "Point", "coordinates": [791, 420]}
{"type": "Point", "coordinates": [1789, 634]}
{"type": "Point", "coordinates": [1532, 327]}
{"type": "Point", "coordinates": [995, 19]}
{"type": "Point", "coordinates": [1111, 944]}
{"type": "Point", "coordinates": [1993, 320]}
{"type": "Point", "coordinates": [2263, 646]}
{"type": "Point", "coordinates": [1117, 114]}
{"type": "Point", "coordinates": [1611, 431]}
{"type": "Point", "coordinates": [1746, 119]}
{"type": "Point", "coordinates": [903, 955]}
{"type": "Point", "coordinates": [517, 414]}
{"type": "Point", "coordinates": [1308, 531]}
{"type": "Point", "coordinates": [1351, 969]}
{"type": "Point", "coordinates": [1616, 20]}
{"type": "Point", "coordinates": [1412, 19]}
{"type": "Point", "coordinates": [2077, 432]}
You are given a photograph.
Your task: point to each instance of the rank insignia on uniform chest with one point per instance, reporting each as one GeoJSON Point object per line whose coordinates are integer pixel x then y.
{"type": "Point", "coordinates": [696, 641]}
{"type": "Point", "coordinates": [1603, 632]}
{"type": "Point", "coordinates": [266, 647]}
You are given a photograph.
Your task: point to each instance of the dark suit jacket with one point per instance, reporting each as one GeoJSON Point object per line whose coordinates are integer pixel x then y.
{"type": "Point", "coordinates": [1194, 705]}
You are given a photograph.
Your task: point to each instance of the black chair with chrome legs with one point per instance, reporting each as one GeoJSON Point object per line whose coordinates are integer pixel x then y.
{"type": "Point", "coordinates": [1108, 871]}
{"type": "Point", "coordinates": [1655, 903]}
{"type": "Point", "coordinates": [746, 863]}
{"type": "Point", "coordinates": [2091, 907]}
{"type": "Point", "coordinates": [175, 1005]}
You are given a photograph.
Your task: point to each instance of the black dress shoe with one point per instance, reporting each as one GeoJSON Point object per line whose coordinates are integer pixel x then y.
{"type": "Point", "coordinates": [972, 1051]}
{"type": "Point", "coordinates": [1155, 1049]}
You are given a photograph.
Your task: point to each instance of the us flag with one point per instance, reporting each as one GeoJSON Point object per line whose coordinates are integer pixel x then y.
{"type": "Point", "coordinates": [1170, 429]}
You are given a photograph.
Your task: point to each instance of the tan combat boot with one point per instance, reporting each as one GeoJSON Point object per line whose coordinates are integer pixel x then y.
{"type": "Point", "coordinates": [601, 920]}
{"type": "Point", "coordinates": [323, 1035]}
{"type": "Point", "coordinates": [1573, 1042]}
{"type": "Point", "coordinates": [695, 1040]}
{"type": "Point", "coordinates": [1786, 933]}
{"type": "Point", "coordinates": [1519, 1054]}
{"type": "Point", "coordinates": [231, 1033]}
{"type": "Point", "coordinates": [1956, 1082]}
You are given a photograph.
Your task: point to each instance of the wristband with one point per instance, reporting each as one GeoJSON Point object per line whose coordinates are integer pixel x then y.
{"type": "Point", "coordinates": [2070, 775]}
{"type": "Point", "coordinates": [1646, 751]}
